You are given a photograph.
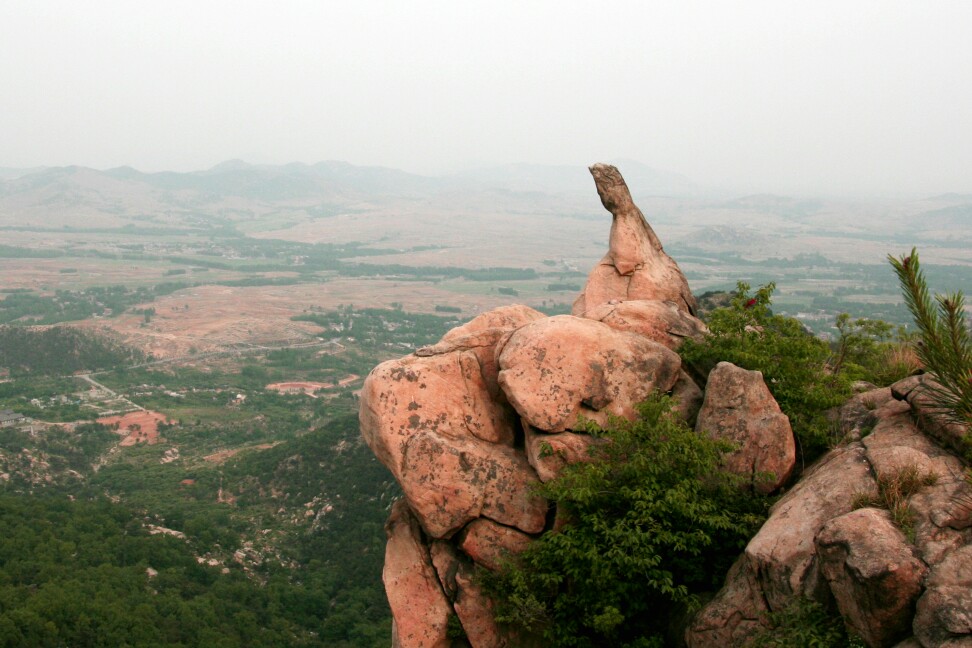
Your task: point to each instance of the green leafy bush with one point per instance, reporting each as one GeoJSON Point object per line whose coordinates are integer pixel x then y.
{"type": "Point", "coordinates": [793, 362]}
{"type": "Point", "coordinates": [652, 523]}
{"type": "Point", "coordinates": [804, 623]}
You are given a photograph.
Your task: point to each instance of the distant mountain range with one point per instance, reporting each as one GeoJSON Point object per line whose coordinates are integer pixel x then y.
{"type": "Point", "coordinates": [235, 190]}
{"type": "Point", "coordinates": [236, 177]}
{"type": "Point", "coordinates": [236, 195]}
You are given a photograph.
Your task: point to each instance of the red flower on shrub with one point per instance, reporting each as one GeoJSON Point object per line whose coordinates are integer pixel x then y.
{"type": "Point", "coordinates": [751, 303]}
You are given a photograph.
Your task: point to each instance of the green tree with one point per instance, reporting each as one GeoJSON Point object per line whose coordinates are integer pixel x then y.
{"type": "Point", "coordinates": [652, 523]}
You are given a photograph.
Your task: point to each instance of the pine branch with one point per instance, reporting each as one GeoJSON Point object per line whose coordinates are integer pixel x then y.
{"type": "Point", "coordinates": [944, 347]}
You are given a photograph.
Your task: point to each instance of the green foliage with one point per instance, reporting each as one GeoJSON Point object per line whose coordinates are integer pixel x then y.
{"type": "Point", "coordinates": [945, 348]}
{"type": "Point", "coordinates": [804, 624]}
{"type": "Point", "coordinates": [793, 362]}
{"type": "Point", "coordinates": [75, 573]}
{"type": "Point", "coordinates": [562, 286]}
{"type": "Point", "coordinates": [384, 326]}
{"type": "Point", "coordinates": [863, 349]}
{"type": "Point", "coordinates": [59, 350]}
{"type": "Point", "coordinates": [67, 305]}
{"type": "Point", "coordinates": [652, 522]}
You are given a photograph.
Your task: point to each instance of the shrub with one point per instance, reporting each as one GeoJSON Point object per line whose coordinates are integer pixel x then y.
{"type": "Point", "coordinates": [804, 623]}
{"type": "Point", "coordinates": [652, 522]}
{"type": "Point", "coordinates": [793, 362]}
{"type": "Point", "coordinates": [871, 350]}
{"type": "Point", "coordinates": [894, 489]}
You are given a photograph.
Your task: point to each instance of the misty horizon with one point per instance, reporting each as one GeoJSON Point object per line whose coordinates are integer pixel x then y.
{"type": "Point", "coordinates": [866, 100]}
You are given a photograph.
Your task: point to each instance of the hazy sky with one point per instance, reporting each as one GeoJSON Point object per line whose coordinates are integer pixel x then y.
{"type": "Point", "coordinates": [831, 96]}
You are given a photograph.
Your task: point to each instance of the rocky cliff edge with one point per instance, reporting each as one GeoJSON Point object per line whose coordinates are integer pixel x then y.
{"type": "Point", "coordinates": [467, 425]}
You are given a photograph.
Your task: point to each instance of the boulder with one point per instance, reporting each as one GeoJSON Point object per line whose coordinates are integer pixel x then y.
{"type": "Point", "coordinates": [636, 266]}
{"type": "Point", "coordinates": [475, 612]}
{"type": "Point", "coordinates": [663, 322]}
{"type": "Point", "coordinates": [873, 574]}
{"type": "Point", "coordinates": [550, 453]}
{"type": "Point", "coordinates": [856, 417]}
{"type": "Point", "coordinates": [562, 369]}
{"type": "Point", "coordinates": [489, 543]}
{"type": "Point", "coordinates": [432, 423]}
{"type": "Point", "coordinates": [480, 336]}
{"type": "Point", "coordinates": [445, 394]}
{"type": "Point", "coordinates": [733, 615]}
{"type": "Point", "coordinates": [944, 612]}
{"type": "Point", "coordinates": [738, 407]}
{"type": "Point", "coordinates": [473, 607]}
{"type": "Point", "coordinates": [449, 482]}
{"type": "Point", "coordinates": [782, 554]}
{"type": "Point", "coordinates": [420, 609]}
{"type": "Point", "coordinates": [940, 521]}
{"type": "Point", "coordinates": [895, 445]}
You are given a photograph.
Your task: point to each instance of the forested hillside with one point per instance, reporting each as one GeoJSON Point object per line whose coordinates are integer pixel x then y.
{"type": "Point", "coordinates": [59, 350]}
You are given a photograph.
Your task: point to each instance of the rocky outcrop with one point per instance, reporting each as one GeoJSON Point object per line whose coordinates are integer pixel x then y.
{"type": "Point", "coordinates": [661, 321]}
{"type": "Point", "coordinates": [420, 609]}
{"type": "Point", "coordinates": [636, 266]}
{"type": "Point", "coordinates": [944, 614]}
{"type": "Point", "coordinates": [558, 372]}
{"type": "Point", "coordinates": [471, 425]}
{"type": "Point", "coordinates": [739, 408]}
{"type": "Point", "coordinates": [818, 543]}
{"type": "Point", "coordinates": [873, 574]}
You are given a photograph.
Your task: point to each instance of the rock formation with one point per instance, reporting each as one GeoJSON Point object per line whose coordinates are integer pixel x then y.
{"type": "Point", "coordinates": [635, 267]}
{"type": "Point", "coordinates": [470, 424]}
{"type": "Point", "coordinates": [819, 542]}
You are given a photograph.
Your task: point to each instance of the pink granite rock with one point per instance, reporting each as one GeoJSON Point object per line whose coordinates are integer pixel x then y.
{"type": "Point", "coordinates": [443, 393]}
{"type": "Point", "coordinates": [489, 543]}
{"type": "Point", "coordinates": [689, 398]}
{"type": "Point", "coordinates": [560, 369]}
{"type": "Point", "coordinates": [738, 407]}
{"type": "Point", "coordinates": [419, 607]}
{"type": "Point", "coordinates": [782, 553]}
{"type": "Point", "coordinates": [663, 322]}
{"type": "Point", "coordinates": [473, 607]}
{"type": "Point", "coordinates": [944, 611]}
{"type": "Point", "coordinates": [873, 574]}
{"type": "Point", "coordinates": [918, 390]}
{"type": "Point", "coordinates": [550, 453]}
{"type": "Point", "coordinates": [449, 482]}
{"type": "Point", "coordinates": [480, 336]}
{"type": "Point", "coordinates": [432, 423]}
{"type": "Point", "coordinates": [733, 615]}
{"type": "Point", "coordinates": [636, 266]}
{"type": "Point", "coordinates": [780, 563]}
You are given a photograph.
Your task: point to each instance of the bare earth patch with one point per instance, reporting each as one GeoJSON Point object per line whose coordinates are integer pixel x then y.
{"type": "Point", "coordinates": [208, 319]}
{"type": "Point", "coordinates": [138, 427]}
{"type": "Point", "coordinates": [223, 455]}
{"type": "Point", "coordinates": [310, 387]}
